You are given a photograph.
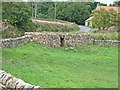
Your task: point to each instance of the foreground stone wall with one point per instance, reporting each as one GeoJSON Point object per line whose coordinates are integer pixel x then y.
{"type": "Point", "coordinates": [60, 39]}
{"type": "Point", "coordinates": [13, 42]}
{"type": "Point", "coordinates": [7, 81]}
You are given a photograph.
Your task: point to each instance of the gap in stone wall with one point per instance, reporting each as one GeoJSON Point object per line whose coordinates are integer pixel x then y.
{"type": "Point", "coordinates": [62, 41]}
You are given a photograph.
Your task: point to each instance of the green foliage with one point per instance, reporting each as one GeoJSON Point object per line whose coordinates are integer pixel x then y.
{"type": "Point", "coordinates": [68, 11]}
{"type": "Point", "coordinates": [18, 15]}
{"type": "Point", "coordinates": [90, 66]}
{"type": "Point", "coordinates": [116, 3]}
{"type": "Point", "coordinates": [118, 24]}
{"type": "Point", "coordinates": [75, 12]}
{"type": "Point", "coordinates": [11, 32]}
{"type": "Point", "coordinates": [103, 19]}
{"type": "Point", "coordinates": [99, 37]}
{"type": "Point", "coordinates": [102, 4]}
{"type": "Point", "coordinates": [54, 27]}
{"type": "Point", "coordinates": [104, 35]}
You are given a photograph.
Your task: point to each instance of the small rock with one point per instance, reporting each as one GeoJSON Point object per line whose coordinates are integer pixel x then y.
{"type": "Point", "coordinates": [66, 49]}
{"type": "Point", "coordinates": [71, 48]}
{"type": "Point", "coordinates": [75, 50]}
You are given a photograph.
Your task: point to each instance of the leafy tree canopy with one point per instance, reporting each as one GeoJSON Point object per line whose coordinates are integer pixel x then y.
{"type": "Point", "coordinates": [70, 11]}
{"type": "Point", "coordinates": [17, 14]}
{"type": "Point", "coordinates": [103, 19]}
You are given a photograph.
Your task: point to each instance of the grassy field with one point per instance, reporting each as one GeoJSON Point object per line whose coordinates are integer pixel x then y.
{"type": "Point", "coordinates": [90, 66]}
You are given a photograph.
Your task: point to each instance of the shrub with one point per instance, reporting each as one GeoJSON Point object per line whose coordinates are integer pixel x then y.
{"type": "Point", "coordinates": [105, 36]}
{"type": "Point", "coordinates": [17, 15]}
{"type": "Point", "coordinates": [11, 32]}
{"type": "Point", "coordinates": [99, 37]}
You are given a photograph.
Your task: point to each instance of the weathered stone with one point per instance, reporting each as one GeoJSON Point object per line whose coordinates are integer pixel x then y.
{"type": "Point", "coordinates": [9, 81]}
{"type": "Point", "coordinates": [13, 42]}
{"type": "Point", "coordinates": [60, 39]}
{"type": "Point", "coordinates": [55, 40]}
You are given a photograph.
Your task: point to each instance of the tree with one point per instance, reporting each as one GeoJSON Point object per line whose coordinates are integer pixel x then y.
{"type": "Point", "coordinates": [70, 11]}
{"type": "Point", "coordinates": [104, 19]}
{"type": "Point", "coordinates": [116, 3]}
{"type": "Point", "coordinates": [17, 14]}
{"type": "Point", "coordinates": [102, 4]}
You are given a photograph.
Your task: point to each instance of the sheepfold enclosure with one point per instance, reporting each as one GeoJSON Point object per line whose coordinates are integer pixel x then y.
{"type": "Point", "coordinates": [80, 66]}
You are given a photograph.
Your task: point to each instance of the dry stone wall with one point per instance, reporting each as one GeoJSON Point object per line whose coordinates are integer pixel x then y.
{"type": "Point", "coordinates": [56, 40]}
{"type": "Point", "coordinates": [59, 39]}
{"type": "Point", "coordinates": [51, 40]}
{"type": "Point", "coordinates": [9, 82]}
{"type": "Point", "coordinates": [76, 39]}
{"type": "Point", "coordinates": [13, 42]}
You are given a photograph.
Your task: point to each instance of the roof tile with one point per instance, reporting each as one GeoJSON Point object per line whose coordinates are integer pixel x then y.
{"type": "Point", "coordinates": [117, 9]}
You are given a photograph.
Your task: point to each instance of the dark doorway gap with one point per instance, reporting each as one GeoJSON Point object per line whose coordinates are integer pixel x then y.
{"type": "Point", "coordinates": [61, 41]}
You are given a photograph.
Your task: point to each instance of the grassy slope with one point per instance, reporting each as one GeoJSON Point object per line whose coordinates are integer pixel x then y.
{"type": "Point", "coordinates": [90, 66]}
{"type": "Point", "coordinates": [51, 26]}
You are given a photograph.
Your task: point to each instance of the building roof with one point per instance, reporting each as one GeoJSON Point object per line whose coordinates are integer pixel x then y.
{"type": "Point", "coordinates": [90, 18]}
{"type": "Point", "coordinates": [117, 9]}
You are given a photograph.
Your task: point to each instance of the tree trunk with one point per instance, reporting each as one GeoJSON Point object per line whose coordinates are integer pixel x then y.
{"type": "Point", "coordinates": [35, 10]}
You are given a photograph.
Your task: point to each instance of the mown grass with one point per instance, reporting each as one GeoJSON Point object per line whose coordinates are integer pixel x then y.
{"type": "Point", "coordinates": [90, 66]}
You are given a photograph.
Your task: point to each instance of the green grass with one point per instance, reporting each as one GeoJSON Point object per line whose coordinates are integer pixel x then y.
{"type": "Point", "coordinates": [91, 66]}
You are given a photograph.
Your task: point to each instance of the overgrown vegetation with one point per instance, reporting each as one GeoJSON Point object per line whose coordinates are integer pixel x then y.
{"type": "Point", "coordinates": [104, 35]}
{"type": "Point", "coordinates": [55, 27]}
{"type": "Point", "coordinates": [91, 66]}
{"type": "Point", "coordinates": [11, 32]}
{"type": "Point", "coordinates": [17, 15]}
